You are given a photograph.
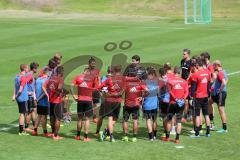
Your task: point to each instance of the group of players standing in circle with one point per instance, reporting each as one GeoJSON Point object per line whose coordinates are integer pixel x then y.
{"type": "Point", "coordinates": [176, 94]}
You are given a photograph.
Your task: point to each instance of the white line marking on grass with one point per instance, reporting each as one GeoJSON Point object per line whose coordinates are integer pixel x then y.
{"type": "Point", "coordinates": [179, 147]}
{"type": "Point", "coordinates": [233, 73]}
{"type": "Point", "coordinates": [8, 128]}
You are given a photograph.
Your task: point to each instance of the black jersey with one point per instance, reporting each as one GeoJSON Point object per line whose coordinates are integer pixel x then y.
{"type": "Point", "coordinates": [185, 65]}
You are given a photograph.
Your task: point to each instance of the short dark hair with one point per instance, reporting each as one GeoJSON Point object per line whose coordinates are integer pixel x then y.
{"type": "Point", "coordinates": [207, 55]}
{"type": "Point", "coordinates": [187, 50]}
{"type": "Point", "coordinates": [200, 62]}
{"type": "Point", "coordinates": [52, 63]}
{"type": "Point", "coordinates": [132, 71]}
{"type": "Point", "coordinates": [177, 70]}
{"type": "Point", "coordinates": [167, 66]}
{"type": "Point", "coordinates": [117, 68]}
{"type": "Point", "coordinates": [136, 57]}
{"type": "Point", "coordinates": [162, 71]}
{"type": "Point", "coordinates": [34, 65]}
{"type": "Point", "coordinates": [91, 60]}
{"type": "Point", "coordinates": [60, 70]}
{"type": "Point", "coordinates": [151, 71]}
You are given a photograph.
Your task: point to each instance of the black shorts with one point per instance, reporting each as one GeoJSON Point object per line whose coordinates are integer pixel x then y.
{"type": "Point", "coordinates": [150, 114]}
{"type": "Point", "coordinates": [96, 97]}
{"type": "Point", "coordinates": [128, 111]}
{"type": "Point", "coordinates": [22, 107]}
{"type": "Point", "coordinates": [56, 110]}
{"type": "Point", "coordinates": [163, 109]}
{"type": "Point", "coordinates": [31, 104]}
{"type": "Point", "coordinates": [84, 108]}
{"type": "Point", "coordinates": [110, 109]}
{"type": "Point", "coordinates": [174, 109]}
{"type": "Point", "coordinates": [42, 110]}
{"type": "Point", "coordinates": [201, 104]}
{"type": "Point", "coordinates": [220, 99]}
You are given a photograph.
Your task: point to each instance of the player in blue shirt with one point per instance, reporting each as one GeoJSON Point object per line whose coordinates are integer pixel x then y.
{"type": "Point", "coordinates": [31, 94]}
{"type": "Point", "coordinates": [150, 103]}
{"type": "Point", "coordinates": [21, 96]}
{"type": "Point", "coordinates": [219, 94]}
{"type": "Point", "coordinates": [42, 104]}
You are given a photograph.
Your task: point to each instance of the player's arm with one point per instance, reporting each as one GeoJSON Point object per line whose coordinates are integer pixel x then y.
{"type": "Point", "coordinates": [72, 92]}
{"type": "Point", "coordinates": [186, 91]}
{"type": "Point", "coordinates": [14, 96]}
{"type": "Point", "coordinates": [22, 84]}
{"type": "Point", "coordinates": [44, 88]}
{"type": "Point", "coordinates": [193, 86]}
{"type": "Point", "coordinates": [73, 84]}
{"type": "Point", "coordinates": [169, 88]}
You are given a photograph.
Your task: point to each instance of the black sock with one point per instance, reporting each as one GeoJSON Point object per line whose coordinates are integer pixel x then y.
{"type": "Point", "coordinates": [111, 136]}
{"type": "Point", "coordinates": [45, 131]}
{"type": "Point", "coordinates": [78, 133]}
{"type": "Point", "coordinates": [150, 135]}
{"type": "Point", "coordinates": [200, 127]}
{"type": "Point", "coordinates": [26, 125]}
{"type": "Point", "coordinates": [35, 129]}
{"type": "Point", "coordinates": [85, 135]}
{"type": "Point", "coordinates": [208, 130]}
{"type": "Point", "coordinates": [20, 128]}
{"type": "Point", "coordinates": [33, 123]}
{"type": "Point", "coordinates": [108, 133]}
{"type": "Point", "coordinates": [52, 129]}
{"type": "Point", "coordinates": [134, 135]}
{"type": "Point", "coordinates": [167, 134]}
{"type": "Point", "coordinates": [177, 136]}
{"type": "Point", "coordinates": [211, 117]}
{"type": "Point", "coordinates": [97, 132]}
{"type": "Point", "coordinates": [225, 126]}
{"type": "Point", "coordinates": [194, 128]}
{"type": "Point", "coordinates": [197, 131]}
{"type": "Point", "coordinates": [155, 133]}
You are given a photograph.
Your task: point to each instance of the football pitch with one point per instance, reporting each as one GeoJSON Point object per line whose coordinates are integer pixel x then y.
{"type": "Point", "coordinates": [26, 40]}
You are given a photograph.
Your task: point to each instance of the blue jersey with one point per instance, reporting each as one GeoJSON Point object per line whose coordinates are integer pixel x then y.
{"type": "Point", "coordinates": [20, 80]}
{"type": "Point", "coordinates": [30, 84]}
{"type": "Point", "coordinates": [164, 94]}
{"type": "Point", "coordinates": [39, 91]}
{"type": "Point", "coordinates": [151, 101]}
{"type": "Point", "coordinates": [218, 82]}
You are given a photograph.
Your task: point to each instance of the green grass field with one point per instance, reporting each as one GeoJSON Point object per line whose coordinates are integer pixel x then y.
{"type": "Point", "coordinates": [26, 40]}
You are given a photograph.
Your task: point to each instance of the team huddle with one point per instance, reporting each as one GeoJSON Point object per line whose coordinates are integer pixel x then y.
{"type": "Point", "coordinates": [176, 95]}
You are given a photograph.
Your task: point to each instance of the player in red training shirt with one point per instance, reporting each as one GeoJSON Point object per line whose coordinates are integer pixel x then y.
{"type": "Point", "coordinates": [112, 99]}
{"type": "Point", "coordinates": [96, 95]}
{"type": "Point", "coordinates": [86, 84]}
{"type": "Point", "coordinates": [53, 88]}
{"type": "Point", "coordinates": [178, 89]}
{"type": "Point", "coordinates": [200, 90]}
{"type": "Point", "coordinates": [135, 89]}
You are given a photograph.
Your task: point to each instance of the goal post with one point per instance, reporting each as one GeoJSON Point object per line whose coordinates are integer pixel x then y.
{"type": "Point", "coordinates": [198, 11]}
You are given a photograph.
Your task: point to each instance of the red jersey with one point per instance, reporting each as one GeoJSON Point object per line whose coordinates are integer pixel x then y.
{"type": "Point", "coordinates": [96, 73]}
{"type": "Point", "coordinates": [52, 85]}
{"type": "Point", "coordinates": [86, 85]}
{"type": "Point", "coordinates": [202, 77]}
{"type": "Point", "coordinates": [170, 75]}
{"type": "Point", "coordinates": [133, 91]}
{"type": "Point", "coordinates": [178, 88]}
{"type": "Point", "coordinates": [115, 85]}
{"type": "Point", "coordinates": [210, 68]}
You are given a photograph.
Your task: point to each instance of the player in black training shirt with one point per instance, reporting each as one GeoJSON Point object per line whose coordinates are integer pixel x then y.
{"type": "Point", "coordinates": [186, 63]}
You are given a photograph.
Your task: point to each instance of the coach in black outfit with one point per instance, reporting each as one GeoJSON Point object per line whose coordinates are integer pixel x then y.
{"type": "Point", "coordinates": [136, 67]}
{"type": "Point", "coordinates": [186, 64]}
